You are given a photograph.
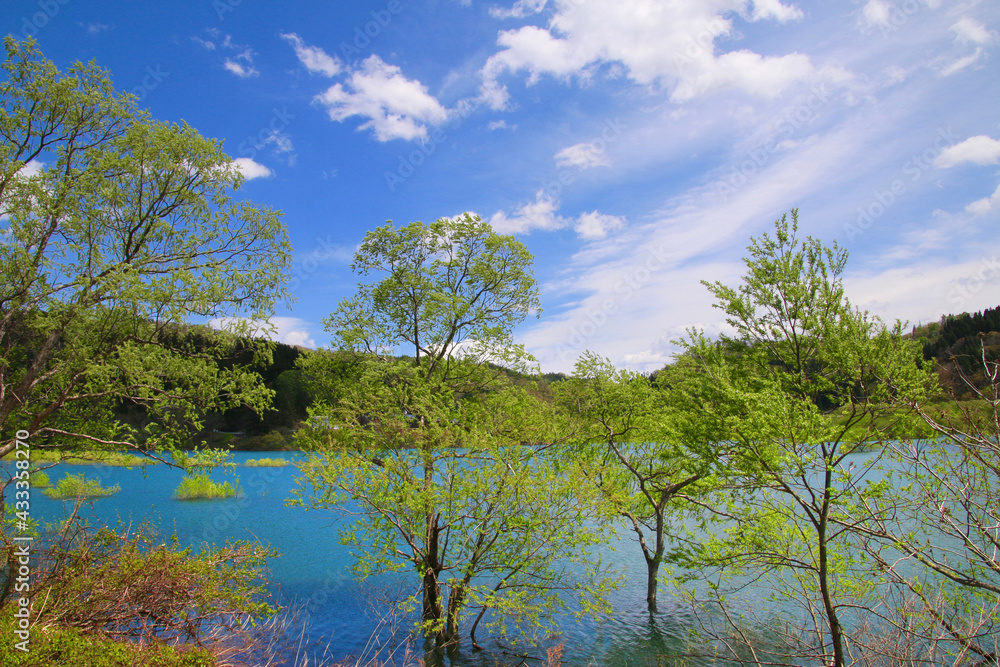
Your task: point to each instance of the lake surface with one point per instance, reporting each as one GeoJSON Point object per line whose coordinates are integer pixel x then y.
{"type": "Point", "coordinates": [345, 617]}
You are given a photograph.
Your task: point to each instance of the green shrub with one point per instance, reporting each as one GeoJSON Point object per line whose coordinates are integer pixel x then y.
{"type": "Point", "coordinates": [276, 440]}
{"type": "Point", "coordinates": [266, 463]}
{"type": "Point", "coordinates": [40, 480]}
{"type": "Point", "coordinates": [201, 487]}
{"type": "Point", "coordinates": [89, 457]}
{"type": "Point", "coordinates": [128, 597]}
{"type": "Point", "coordinates": [57, 646]}
{"type": "Point", "coordinates": [78, 486]}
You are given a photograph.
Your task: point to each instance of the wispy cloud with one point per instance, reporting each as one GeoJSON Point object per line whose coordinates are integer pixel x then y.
{"type": "Point", "coordinates": [240, 63]}
{"type": "Point", "coordinates": [313, 58]}
{"type": "Point", "coordinates": [245, 69]}
{"type": "Point", "coordinates": [985, 205]}
{"type": "Point", "coordinates": [287, 330]}
{"type": "Point", "coordinates": [583, 155]}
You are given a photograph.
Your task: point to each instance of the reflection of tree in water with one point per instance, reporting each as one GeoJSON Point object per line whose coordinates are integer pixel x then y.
{"type": "Point", "coordinates": [638, 637]}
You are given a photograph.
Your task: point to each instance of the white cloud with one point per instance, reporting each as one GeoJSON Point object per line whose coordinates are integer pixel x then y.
{"type": "Point", "coordinates": [520, 9]}
{"type": "Point", "coordinates": [251, 169]}
{"type": "Point", "coordinates": [969, 30]}
{"type": "Point", "coordinates": [31, 168]}
{"type": "Point", "coordinates": [656, 43]}
{"type": "Point", "coordinates": [961, 63]}
{"type": "Point", "coordinates": [773, 9]}
{"type": "Point", "coordinates": [207, 44]}
{"type": "Point", "coordinates": [876, 13]}
{"type": "Point", "coordinates": [595, 225]}
{"type": "Point", "coordinates": [243, 71]}
{"type": "Point", "coordinates": [924, 291]}
{"type": "Point", "coordinates": [583, 155]}
{"type": "Point", "coordinates": [980, 149]}
{"type": "Point", "coordinates": [241, 64]}
{"type": "Point", "coordinates": [607, 286]}
{"type": "Point", "coordinates": [499, 125]}
{"type": "Point", "coordinates": [396, 107]}
{"type": "Point", "coordinates": [315, 59]}
{"type": "Point", "coordinates": [539, 214]}
{"type": "Point", "coordinates": [985, 205]}
{"type": "Point", "coordinates": [282, 142]}
{"type": "Point", "coordinates": [288, 330]}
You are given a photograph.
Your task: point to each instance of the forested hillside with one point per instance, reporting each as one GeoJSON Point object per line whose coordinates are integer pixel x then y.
{"type": "Point", "coordinates": [957, 344]}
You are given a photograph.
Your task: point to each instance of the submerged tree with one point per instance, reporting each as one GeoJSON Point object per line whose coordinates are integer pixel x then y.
{"type": "Point", "coordinates": [647, 449]}
{"type": "Point", "coordinates": [805, 383]}
{"type": "Point", "coordinates": [116, 229]}
{"type": "Point", "coordinates": [931, 527]}
{"type": "Point", "coordinates": [441, 453]}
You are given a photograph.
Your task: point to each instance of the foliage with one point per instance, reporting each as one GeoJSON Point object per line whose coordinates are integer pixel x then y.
{"type": "Point", "coordinates": [40, 480]}
{"type": "Point", "coordinates": [68, 646]}
{"type": "Point", "coordinates": [78, 486]}
{"type": "Point", "coordinates": [89, 457]}
{"type": "Point", "coordinates": [200, 486]}
{"type": "Point", "coordinates": [205, 460]}
{"type": "Point", "coordinates": [954, 328]}
{"type": "Point", "coordinates": [266, 463]}
{"type": "Point", "coordinates": [128, 584]}
{"type": "Point", "coordinates": [272, 441]}
{"type": "Point", "coordinates": [119, 228]}
{"type": "Point", "coordinates": [438, 451]}
{"type": "Point", "coordinates": [802, 386]}
{"type": "Point", "coordinates": [486, 519]}
{"type": "Point", "coordinates": [451, 287]}
{"type": "Point", "coordinates": [646, 449]}
{"type": "Point", "coordinates": [930, 527]}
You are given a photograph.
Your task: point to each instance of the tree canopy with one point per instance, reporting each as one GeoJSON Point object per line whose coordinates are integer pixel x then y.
{"type": "Point", "coordinates": [118, 230]}
{"type": "Point", "coordinates": [443, 455]}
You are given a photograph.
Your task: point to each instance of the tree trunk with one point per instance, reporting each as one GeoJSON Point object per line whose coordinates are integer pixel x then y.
{"type": "Point", "coordinates": [653, 564]}
{"type": "Point", "coordinates": [456, 600]}
{"type": "Point", "coordinates": [652, 572]}
{"type": "Point", "coordinates": [833, 621]}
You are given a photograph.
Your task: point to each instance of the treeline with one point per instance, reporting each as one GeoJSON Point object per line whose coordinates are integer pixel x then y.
{"type": "Point", "coordinates": [958, 343]}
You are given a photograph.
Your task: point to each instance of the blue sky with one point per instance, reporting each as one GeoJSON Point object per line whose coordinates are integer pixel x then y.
{"type": "Point", "coordinates": [634, 146]}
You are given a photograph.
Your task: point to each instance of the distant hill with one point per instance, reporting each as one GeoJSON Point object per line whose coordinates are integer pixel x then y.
{"type": "Point", "coordinates": [957, 344]}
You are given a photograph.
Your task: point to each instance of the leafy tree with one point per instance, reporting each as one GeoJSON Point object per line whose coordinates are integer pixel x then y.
{"type": "Point", "coordinates": [647, 449]}
{"type": "Point", "coordinates": [930, 527]}
{"type": "Point", "coordinates": [440, 453]}
{"type": "Point", "coordinates": [117, 229]}
{"type": "Point", "coordinates": [805, 383]}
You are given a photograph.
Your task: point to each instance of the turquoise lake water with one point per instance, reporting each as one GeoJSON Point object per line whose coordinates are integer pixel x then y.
{"type": "Point", "coordinates": [313, 570]}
